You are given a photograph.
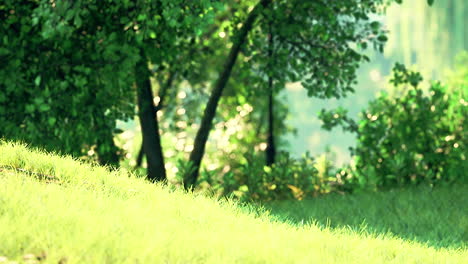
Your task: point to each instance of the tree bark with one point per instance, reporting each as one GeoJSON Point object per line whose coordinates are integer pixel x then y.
{"type": "Point", "coordinates": [141, 153]}
{"type": "Point", "coordinates": [162, 96]}
{"type": "Point", "coordinates": [207, 121]}
{"type": "Point", "coordinates": [271, 148]}
{"type": "Point", "coordinates": [149, 122]}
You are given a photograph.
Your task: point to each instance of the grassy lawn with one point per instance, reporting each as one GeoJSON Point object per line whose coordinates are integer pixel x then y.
{"type": "Point", "coordinates": [435, 216]}
{"type": "Point", "coordinates": [67, 212]}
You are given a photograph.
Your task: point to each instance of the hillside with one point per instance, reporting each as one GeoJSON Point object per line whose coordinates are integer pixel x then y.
{"type": "Point", "coordinates": [57, 210]}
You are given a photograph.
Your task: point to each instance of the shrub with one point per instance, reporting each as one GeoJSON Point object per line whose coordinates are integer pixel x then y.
{"type": "Point", "coordinates": [413, 138]}
{"type": "Point", "coordinates": [288, 178]}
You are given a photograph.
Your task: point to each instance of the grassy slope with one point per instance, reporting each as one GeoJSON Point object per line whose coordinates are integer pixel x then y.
{"type": "Point", "coordinates": [438, 216]}
{"type": "Point", "coordinates": [88, 215]}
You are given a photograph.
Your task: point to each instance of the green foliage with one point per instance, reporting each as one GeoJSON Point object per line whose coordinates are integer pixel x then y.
{"type": "Point", "coordinates": [64, 77]}
{"type": "Point", "coordinates": [287, 179]}
{"type": "Point", "coordinates": [68, 67]}
{"type": "Point", "coordinates": [414, 138]}
{"type": "Point", "coordinates": [318, 44]}
{"type": "Point", "coordinates": [69, 70]}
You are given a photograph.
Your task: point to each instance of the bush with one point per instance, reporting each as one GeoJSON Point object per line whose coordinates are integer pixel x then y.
{"type": "Point", "coordinates": [288, 178]}
{"type": "Point", "coordinates": [413, 138]}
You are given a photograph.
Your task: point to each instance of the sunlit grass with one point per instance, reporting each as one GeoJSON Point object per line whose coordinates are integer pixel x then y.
{"type": "Point", "coordinates": [85, 214]}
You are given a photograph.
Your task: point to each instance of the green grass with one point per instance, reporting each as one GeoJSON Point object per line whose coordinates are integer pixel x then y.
{"type": "Point", "coordinates": [86, 214]}
{"type": "Point", "coordinates": [435, 216]}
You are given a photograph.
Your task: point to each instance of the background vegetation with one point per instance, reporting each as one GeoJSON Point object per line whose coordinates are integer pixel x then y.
{"type": "Point", "coordinates": [208, 80]}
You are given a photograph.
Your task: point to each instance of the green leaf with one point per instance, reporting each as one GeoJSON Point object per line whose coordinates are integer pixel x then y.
{"type": "Point", "coordinates": [44, 108]}
{"type": "Point", "coordinates": [35, 21]}
{"type": "Point", "coordinates": [430, 2]}
{"type": "Point", "coordinates": [244, 188]}
{"type": "Point", "coordinates": [363, 45]}
{"type": "Point", "coordinates": [141, 17]}
{"type": "Point", "coordinates": [51, 120]}
{"type": "Point", "coordinates": [375, 25]}
{"type": "Point", "coordinates": [37, 81]}
{"type": "Point", "coordinates": [382, 38]}
{"type": "Point", "coordinates": [29, 108]}
{"type": "Point", "coordinates": [4, 51]}
{"type": "Point", "coordinates": [78, 22]}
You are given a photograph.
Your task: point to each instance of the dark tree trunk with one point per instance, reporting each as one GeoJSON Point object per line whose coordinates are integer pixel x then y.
{"type": "Point", "coordinates": [149, 122]}
{"type": "Point", "coordinates": [141, 153]}
{"type": "Point", "coordinates": [162, 96]}
{"type": "Point", "coordinates": [207, 121]}
{"type": "Point", "coordinates": [164, 89]}
{"type": "Point", "coordinates": [271, 148]}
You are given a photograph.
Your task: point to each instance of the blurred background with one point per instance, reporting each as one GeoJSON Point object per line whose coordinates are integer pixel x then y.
{"type": "Point", "coordinates": [425, 38]}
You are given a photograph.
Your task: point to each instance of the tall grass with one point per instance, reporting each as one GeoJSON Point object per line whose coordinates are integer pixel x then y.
{"type": "Point", "coordinates": [58, 210]}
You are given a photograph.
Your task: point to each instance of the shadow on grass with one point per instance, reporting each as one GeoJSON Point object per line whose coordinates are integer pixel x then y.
{"type": "Point", "coordinates": [437, 216]}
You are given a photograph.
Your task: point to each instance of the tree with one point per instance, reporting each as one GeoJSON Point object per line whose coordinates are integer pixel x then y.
{"type": "Point", "coordinates": [64, 76]}
{"type": "Point", "coordinates": [76, 64]}
{"type": "Point", "coordinates": [79, 65]}
{"type": "Point", "coordinates": [210, 110]}
{"type": "Point", "coordinates": [162, 29]}
{"type": "Point", "coordinates": [149, 122]}
{"type": "Point", "coordinates": [316, 44]}
{"type": "Point", "coordinates": [163, 94]}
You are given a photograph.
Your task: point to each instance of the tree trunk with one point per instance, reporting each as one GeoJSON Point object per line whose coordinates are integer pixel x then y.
{"type": "Point", "coordinates": [271, 148]}
{"type": "Point", "coordinates": [141, 153]}
{"type": "Point", "coordinates": [162, 96]}
{"type": "Point", "coordinates": [149, 122]}
{"type": "Point", "coordinates": [207, 121]}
